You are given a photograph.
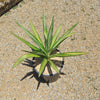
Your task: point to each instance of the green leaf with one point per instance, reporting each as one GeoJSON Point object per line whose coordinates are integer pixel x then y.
{"type": "Point", "coordinates": [60, 40]}
{"type": "Point", "coordinates": [46, 44]}
{"type": "Point", "coordinates": [27, 32]}
{"type": "Point", "coordinates": [42, 48]}
{"type": "Point", "coordinates": [49, 37]}
{"type": "Point", "coordinates": [44, 62]}
{"type": "Point", "coordinates": [25, 57]}
{"type": "Point", "coordinates": [55, 36]}
{"type": "Point", "coordinates": [69, 30]}
{"type": "Point", "coordinates": [63, 37]}
{"type": "Point", "coordinates": [35, 52]}
{"type": "Point", "coordinates": [67, 54]}
{"type": "Point", "coordinates": [53, 66]}
{"type": "Point", "coordinates": [26, 42]}
{"type": "Point", "coordinates": [44, 27]}
{"type": "Point", "coordinates": [40, 45]}
{"type": "Point", "coordinates": [35, 32]}
{"type": "Point", "coordinates": [45, 32]}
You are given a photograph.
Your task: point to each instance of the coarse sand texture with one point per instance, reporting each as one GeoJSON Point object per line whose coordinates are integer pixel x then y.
{"type": "Point", "coordinates": [81, 74]}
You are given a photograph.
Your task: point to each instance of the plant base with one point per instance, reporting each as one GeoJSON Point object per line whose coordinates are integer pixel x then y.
{"type": "Point", "coordinates": [49, 74]}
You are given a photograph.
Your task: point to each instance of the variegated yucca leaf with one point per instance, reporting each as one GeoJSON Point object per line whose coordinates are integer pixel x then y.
{"type": "Point", "coordinates": [38, 43]}
{"type": "Point", "coordinates": [49, 36]}
{"type": "Point", "coordinates": [55, 36]}
{"type": "Point", "coordinates": [35, 52]}
{"type": "Point", "coordinates": [63, 37]}
{"type": "Point", "coordinates": [45, 33]}
{"type": "Point", "coordinates": [36, 33]}
{"type": "Point", "coordinates": [25, 57]}
{"type": "Point", "coordinates": [26, 42]}
{"type": "Point", "coordinates": [43, 64]}
{"type": "Point", "coordinates": [68, 54]}
{"type": "Point", "coordinates": [44, 27]}
{"type": "Point", "coordinates": [53, 66]}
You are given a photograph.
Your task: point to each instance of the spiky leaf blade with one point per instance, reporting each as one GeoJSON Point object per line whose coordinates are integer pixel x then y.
{"type": "Point", "coordinates": [25, 57]}
{"type": "Point", "coordinates": [45, 31]}
{"type": "Point", "coordinates": [61, 39]}
{"type": "Point", "coordinates": [44, 27]}
{"type": "Point", "coordinates": [35, 52]}
{"type": "Point", "coordinates": [35, 32]}
{"type": "Point", "coordinates": [26, 42]}
{"type": "Point", "coordinates": [69, 30]}
{"type": "Point", "coordinates": [55, 36]}
{"type": "Point", "coordinates": [43, 64]}
{"type": "Point", "coordinates": [26, 31]}
{"type": "Point", "coordinates": [40, 45]}
{"type": "Point", "coordinates": [64, 36]}
{"type": "Point", "coordinates": [67, 54]}
{"type": "Point", "coordinates": [53, 66]}
{"type": "Point", "coordinates": [49, 37]}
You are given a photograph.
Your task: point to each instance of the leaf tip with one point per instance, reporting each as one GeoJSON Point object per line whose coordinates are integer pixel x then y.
{"type": "Point", "coordinates": [16, 22]}
{"type": "Point", "coordinates": [30, 22]}
{"type": "Point", "coordinates": [13, 67]}
{"type": "Point", "coordinates": [43, 17]}
{"type": "Point", "coordinates": [85, 52]}
{"type": "Point", "coordinates": [78, 22]}
{"type": "Point", "coordinates": [43, 14]}
{"type": "Point", "coordinates": [53, 17]}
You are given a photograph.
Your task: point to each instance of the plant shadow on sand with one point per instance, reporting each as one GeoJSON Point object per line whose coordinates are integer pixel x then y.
{"type": "Point", "coordinates": [33, 73]}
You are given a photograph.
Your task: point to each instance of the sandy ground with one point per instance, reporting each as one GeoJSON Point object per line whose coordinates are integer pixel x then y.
{"type": "Point", "coordinates": [82, 73]}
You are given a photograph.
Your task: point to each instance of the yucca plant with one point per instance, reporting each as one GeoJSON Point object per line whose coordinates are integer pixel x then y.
{"type": "Point", "coordinates": [44, 50]}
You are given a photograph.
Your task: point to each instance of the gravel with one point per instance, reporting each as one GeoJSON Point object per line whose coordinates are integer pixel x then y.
{"type": "Point", "coordinates": [82, 73]}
